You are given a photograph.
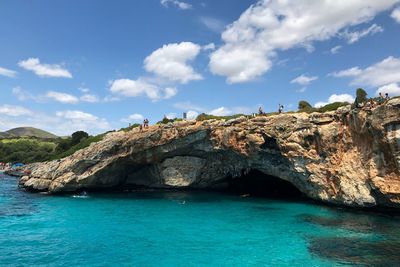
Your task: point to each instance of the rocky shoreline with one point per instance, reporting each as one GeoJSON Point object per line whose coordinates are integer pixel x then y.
{"type": "Point", "coordinates": [349, 157]}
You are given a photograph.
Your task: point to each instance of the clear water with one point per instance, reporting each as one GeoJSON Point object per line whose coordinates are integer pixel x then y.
{"type": "Point", "coordinates": [187, 229]}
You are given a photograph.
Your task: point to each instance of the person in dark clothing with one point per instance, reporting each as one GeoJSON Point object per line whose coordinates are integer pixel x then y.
{"type": "Point", "coordinates": [387, 97]}
{"type": "Point", "coordinates": [260, 111]}
{"type": "Point", "coordinates": [380, 99]}
{"type": "Point", "coordinates": [280, 108]}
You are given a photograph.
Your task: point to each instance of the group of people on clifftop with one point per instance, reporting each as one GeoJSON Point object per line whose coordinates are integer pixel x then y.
{"type": "Point", "coordinates": [144, 126]}
{"type": "Point", "coordinates": [372, 103]}
{"type": "Point", "coordinates": [261, 111]}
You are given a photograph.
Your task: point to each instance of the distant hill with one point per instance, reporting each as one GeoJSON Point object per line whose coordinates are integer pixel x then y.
{"type": "Point", "coordinates": [26, 132]}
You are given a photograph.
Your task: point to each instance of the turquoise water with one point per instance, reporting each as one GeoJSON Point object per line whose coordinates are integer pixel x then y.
{"type": "Point", "coordinates": [187, 229]}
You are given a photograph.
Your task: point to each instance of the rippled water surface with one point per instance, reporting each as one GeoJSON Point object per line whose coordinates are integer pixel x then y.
{"type": "Point", "coordinates": [187, 229]}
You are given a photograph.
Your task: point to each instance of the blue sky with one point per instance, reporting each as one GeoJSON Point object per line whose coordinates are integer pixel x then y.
{"type": "Point", "coordinates": [98, 65]}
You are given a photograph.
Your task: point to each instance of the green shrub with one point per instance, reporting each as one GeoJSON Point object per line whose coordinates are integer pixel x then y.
{"type": "Point", "coordinates": [83, 144]}
{"type": "Point", "coordinates": [25, 150]}
{"type": "Point", "coordinates": [127, 129]}
{"type": "Point", "coordinates": [332, 106]}
{"type": "Point", "coordinates": [204, 117]}
{"type": "Point", "coordinates": [304, 105]}
{"type": "Point", "coordinates": [361, 96]}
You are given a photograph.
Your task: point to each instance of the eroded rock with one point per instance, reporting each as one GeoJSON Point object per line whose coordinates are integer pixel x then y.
{"type": "Point", "coordinates": [348, 157]}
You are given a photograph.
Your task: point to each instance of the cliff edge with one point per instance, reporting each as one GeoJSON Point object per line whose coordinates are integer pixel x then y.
{"type": "Point", "coordinates": [347, 157]}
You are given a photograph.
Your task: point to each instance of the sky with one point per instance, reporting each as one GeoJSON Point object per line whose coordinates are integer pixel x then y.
{"type": "Point", "coordinates": [99, 65]}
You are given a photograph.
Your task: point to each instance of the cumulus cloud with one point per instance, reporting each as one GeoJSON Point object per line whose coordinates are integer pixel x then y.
{"type": "Point", "coordinates": [213, 24]}
{"type": "Point", "coordinates": [139, 87]}
{"type": "Point", "coordinates": [396, 15]}
{"type": "Point", "coordinates": [392, 89]}
{"type": "Point", "coordinates": [381, 73]}
{"type": "Point", "coordinates": [251, 42]}
{"type": "Point", "coordinates": [136, 117]}
{"type": "Point", "coordinates": [14, 111]}
{"type": "Point", "coordinates": [304, 80]}
{"type": "Point", "coordinates": [44, 70]}
{"type": "Point", "coordinates": [335, 50]}
{"type": "Point", "coordinates": [83, 120]}
{"type": "Point", "coordinates": [171, 62]}
{"type": "Point", "coordinates": [336, 98]}
{"type": "Point", "coordinates": [192, 115]}
{"type": "Point", "coordinates": [62, 97]}
{"type": "Point", "coordinates": [221, 111]}
{"type": "Point", "coordinates": [7, 72]}
{"type": "Point", "coordinates": [170, 92]}
{"type": "Point", "coordinates": [176, 3]}
{"type": "Point", "coordinates": [355, 36]}
{"type": "Point", "coordinates": [133, 88]}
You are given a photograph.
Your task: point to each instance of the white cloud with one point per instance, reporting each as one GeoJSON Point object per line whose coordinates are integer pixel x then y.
{"type": "Point", "coordinates": [381, 73]}
{"type": "Point", "coordinates": [84, 89]}
{"type": "Point", "coordinates": [191, 115]}
{"type": "Point", "coordinates": [23, 95]}
{"type": "Point", "coordinates": [82, 120]}
{"type": "Point", "coordinates": [7, 72]}
{"type": "Point", "coordinates": [213, 24]}
{"type": "Point", "coordinates": [62, 123]}
{"type": "Point", "coordinates": [396, 15]}
{"type": "Point", "coordinates": [136, 117]}
{"type": "Point", "coordinates": [252, 41]}
{"type": "Point", "coordinates": [355, 36]}
{"type": "Point", "coordinates": [335, 50]}
{"type": "Point", "coordinates": [392, 89]}
{"type": "Point", "coordinates": [171, 116]}
{"type": "Point", "coordinates": [139, 87]}
{"type": "Point", "coordinates": [171, 62]}
{"type": "Point", "coordinates": [304, 80]}
{"type": "Point", "coordinates": [110, 98]}
{"type": "Point", "coordinates": [44, 70]}
{"type": "Point", "coordinates": [347, 73]}
{"type": "Point", "coordinates": [221, 111]}
{"type": "Point", "coordinates": [210, 46]}
{"type": "Point", "coordinates": [89, 98]}
{"type": "Point", "coordinates": [178, 4]}
{"type": "Point", "coordinates": [170, 92]}
{"type": "Point", "coordinates": [62, 97]}
{"type": "Point", "coordinates": [133, 88]}
{"type": "Point", "coordinates": [14, 111]}
{"type": "Point", "coordinates": [336, 98]}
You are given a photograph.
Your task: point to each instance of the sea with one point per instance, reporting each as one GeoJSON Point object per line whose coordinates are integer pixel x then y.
{"type": "Point", "coordinates": [176, 228]}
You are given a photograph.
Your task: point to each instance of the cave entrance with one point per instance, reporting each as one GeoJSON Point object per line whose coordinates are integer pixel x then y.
{"type": "Point", "coordinates": [256, 183]}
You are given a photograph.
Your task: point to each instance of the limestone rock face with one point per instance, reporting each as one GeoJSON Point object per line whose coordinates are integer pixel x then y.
{"type": "Point", "coordinates": [348, 157]}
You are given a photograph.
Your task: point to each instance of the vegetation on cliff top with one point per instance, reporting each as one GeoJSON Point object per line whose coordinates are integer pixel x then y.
{"type": "Point", "coordinates": [31, 149]}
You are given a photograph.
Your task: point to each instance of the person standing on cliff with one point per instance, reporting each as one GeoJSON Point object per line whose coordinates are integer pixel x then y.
{"type": "Point", "coordinates": [387, 98]}
{"type": "Point", "coordinates": [380, 99]}
{"type": "Point", "coordinates": [260, 111]}
{"type": "Point", "coordinates": [280, 109]}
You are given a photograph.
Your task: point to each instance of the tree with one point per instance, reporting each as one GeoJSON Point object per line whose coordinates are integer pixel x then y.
{"type": "Point", "coordinates": [304, 105]}
{"type": "Point", "coordinates": [361, 96]}
{"type": "Point", "coordinates": [78, 136]}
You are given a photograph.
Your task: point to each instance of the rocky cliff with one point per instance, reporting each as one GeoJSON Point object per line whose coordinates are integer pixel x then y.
{"type": "Point", "coordinates": [347, 157]}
